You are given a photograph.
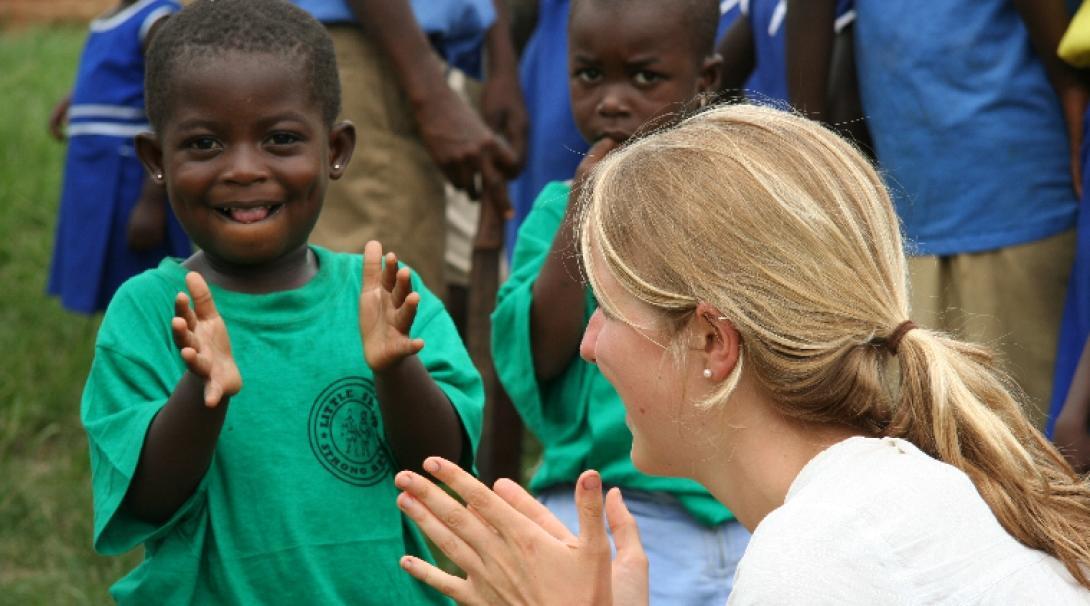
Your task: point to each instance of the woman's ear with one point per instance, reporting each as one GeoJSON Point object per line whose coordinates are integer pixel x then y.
{"type": "Point", "coordinates": [720, 341]}
{"type": "Point", "coordinates": [342, 142]}
{"type": "Point", "coordinates": [150, 153]}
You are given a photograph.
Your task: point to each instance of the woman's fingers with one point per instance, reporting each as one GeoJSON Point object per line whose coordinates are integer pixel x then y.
{"type": "Point", "coordinates": [588, 500]}
{"type": "Point", "coordinates": [524, 503]}
{"type": "Point", "coordinates": [478, 497]}
{"type": "Point", "coordinates": [456, 588]}
{"type": "Point", "coordinates": [626, 534]}
{"type": "Point", "coordinates": [445, 526]}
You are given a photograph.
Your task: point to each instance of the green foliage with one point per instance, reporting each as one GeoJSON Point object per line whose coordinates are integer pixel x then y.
{"type": "Point", "coordinates": [45, 502]}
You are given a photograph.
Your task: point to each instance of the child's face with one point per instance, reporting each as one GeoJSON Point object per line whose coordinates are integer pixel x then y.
{"type": "Point", "coordinates": [246, 156]}
{"type": "Point", "coordinates": [628, 67]}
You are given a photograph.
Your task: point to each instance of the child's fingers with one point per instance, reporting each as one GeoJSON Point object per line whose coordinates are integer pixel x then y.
{"type": "Point", "coordinates": [213, 394]}
{"type": "Point", "coordinates": [202, 297]}
{"type": "Point", "coordinates": [406, 313]}
{"type": "Point", "coordinates": [183, 336]}
{"type": "Point", "coordinates": [524, 503]}
{"type": "Point", "coordinates": [389, 272]}
{"type": "Point", "coordinates": [372, 265]}
{"type": "Point", "coordinates": [456, 588]}
{"type": "Point", "coordinates": [184, 311]}
{"type": "Point", "coordinates": [402, 287]}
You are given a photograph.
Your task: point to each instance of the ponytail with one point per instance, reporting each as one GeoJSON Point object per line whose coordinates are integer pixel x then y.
{"type": "Point", "coordinates": [957, 407]}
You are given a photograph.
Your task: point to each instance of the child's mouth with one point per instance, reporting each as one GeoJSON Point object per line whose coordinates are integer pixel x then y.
{"type": "Point", "coordinates": [251, 214]}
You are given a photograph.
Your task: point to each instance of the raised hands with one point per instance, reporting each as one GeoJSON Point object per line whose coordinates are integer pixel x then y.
{"type": "Point", "coordinates": [387, 309]}
{"type": "Point", "coordinates": [201, 338]}
{"type": "Point", "coordinates": [514, 551]}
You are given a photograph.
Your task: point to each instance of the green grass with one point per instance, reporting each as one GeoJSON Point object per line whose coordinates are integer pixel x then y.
{"type": "Point", "coordinates": [45, 502]}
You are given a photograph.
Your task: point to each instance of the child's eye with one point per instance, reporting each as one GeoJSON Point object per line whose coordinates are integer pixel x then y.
{"type": "Point", "coordinates": [588, 74]}
{"type": "Point", "coordinates": [284, 138]}
{"type": "Point", "coordinates": [202, 143]}
{"type": "Point", "coordinates": [643, 77]}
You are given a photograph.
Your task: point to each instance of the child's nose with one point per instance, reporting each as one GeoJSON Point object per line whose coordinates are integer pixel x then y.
{"type": "Point", "coordinates": [590, 338]}
{"type": "Point", "coordinates": [245, 166]}
{"type": "Point", "coordinates": [612, 102]}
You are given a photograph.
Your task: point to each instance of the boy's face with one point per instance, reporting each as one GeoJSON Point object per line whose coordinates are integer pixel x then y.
{"type": "Point", "coordinates": [246, 156]}
{"type": "Point", "coordinates": [630, 66]}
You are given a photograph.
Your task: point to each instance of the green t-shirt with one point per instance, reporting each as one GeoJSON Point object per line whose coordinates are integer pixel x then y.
{"type": "Point", "coordinates": [298, 505]}
{"type": "Point", "coordinates": [578, 416]}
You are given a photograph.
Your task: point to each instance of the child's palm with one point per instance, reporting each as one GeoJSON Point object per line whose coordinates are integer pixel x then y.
{"type": "Point", "coordinates": [202, 340]}
{"type": "Point", "coordinates": [387, 309]}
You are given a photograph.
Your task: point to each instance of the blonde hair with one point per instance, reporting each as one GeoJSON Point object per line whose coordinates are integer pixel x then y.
{"type": "Point", "coordinates": [791, 234]}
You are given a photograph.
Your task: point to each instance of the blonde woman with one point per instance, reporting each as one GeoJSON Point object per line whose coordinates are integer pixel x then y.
{"type": "Point", "coordinates": [754, 319]}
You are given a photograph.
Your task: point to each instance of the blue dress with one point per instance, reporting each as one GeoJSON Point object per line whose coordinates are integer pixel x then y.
{"type": "Point", "coordinates": [102, 175]}
{"type": "Point", "coordinates": [555, 146]}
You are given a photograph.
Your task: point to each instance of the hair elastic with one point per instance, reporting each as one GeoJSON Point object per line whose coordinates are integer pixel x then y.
{"type": "Point", "coordinates": [893, 341]}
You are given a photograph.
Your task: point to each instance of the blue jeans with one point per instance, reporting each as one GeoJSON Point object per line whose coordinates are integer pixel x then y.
{"type": "Point", "coordinates": [690, 564]}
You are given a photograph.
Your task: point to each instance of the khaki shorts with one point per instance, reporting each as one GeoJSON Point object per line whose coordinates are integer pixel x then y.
{"type": "Point", "coordinates": [391, 191]}
{"type": "Point", "coordinates": [1009, 299]}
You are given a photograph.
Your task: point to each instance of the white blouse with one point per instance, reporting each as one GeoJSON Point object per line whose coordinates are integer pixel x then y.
{"type": "Point", "coordinates": [877, 521]}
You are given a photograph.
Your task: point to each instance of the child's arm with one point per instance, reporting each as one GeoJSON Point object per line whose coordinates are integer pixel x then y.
{"type": "Point", "coordinates": [59, 116]}
{"type": "Point", "coordinates": [1072, 434]}
{"type": "Point", "coordinates": [418, 417]}
{"type": "Point", "coordinates": [558, 312]}
{"type": "Point", "coordinates": [809, 27]}
{"type": "Point", "coordinates": [739, 59]}
{"type": "Point", "coordinates": [181, 439]}
{"type": "Point", "coordinates": [501, 98]}
{"type": "Point", "coordinates": [147, 222]}
{"type": "Point", "coordinates": [1046, 21]}
{"type": "Point", "coordinates": [455, 136]}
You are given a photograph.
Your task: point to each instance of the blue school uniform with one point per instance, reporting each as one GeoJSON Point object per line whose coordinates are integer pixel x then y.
{"type": "Point", "coordinates": [102, 175]}
{"type": "Point", "coordinates": [555, 146]}
{"type": "Point", "coordinates": [767, 20]}
{"type": "Point", "coordinates": [1075, 326]}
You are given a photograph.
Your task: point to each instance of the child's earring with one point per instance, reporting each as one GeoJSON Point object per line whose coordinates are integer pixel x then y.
{"type": "Point", "coordinates": [336, 167]}
{"type": "Point", "coordinates": [707, 373]}
{"type": "Point", "coordinates": [159, 177]}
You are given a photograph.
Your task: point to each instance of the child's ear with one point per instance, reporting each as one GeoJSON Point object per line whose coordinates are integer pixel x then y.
{"type": "Point", "coordinates": [342, 142]}
{"type": "Point", "coordinates": [150, 153]}
{"type": "Point", "coordinates": [709, 73]}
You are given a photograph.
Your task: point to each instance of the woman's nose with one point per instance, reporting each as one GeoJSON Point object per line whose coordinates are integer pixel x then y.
{"type": "Point", "coordinates": [590, 337]}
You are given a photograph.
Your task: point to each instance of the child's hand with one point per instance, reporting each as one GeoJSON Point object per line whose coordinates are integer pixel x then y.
{"type": "Point", "coordinates": [593, 156]}
{"type": "Point", "coordinates": [58, 117]}
{"type": "Point", "coordinates": [201, 337]}
{"type": "Point", "coordinates": [387, 309]}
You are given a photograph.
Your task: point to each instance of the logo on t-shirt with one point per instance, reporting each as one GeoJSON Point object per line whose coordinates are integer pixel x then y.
{"type": "Point", "coordinates": [345, 432]}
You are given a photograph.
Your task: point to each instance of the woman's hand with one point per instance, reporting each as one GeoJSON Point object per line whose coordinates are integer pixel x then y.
{"type": "Point", "coordinates": [387, 309]}
{"type": "Point", "coordinates": [514, 551]}
{"type": "Point", "coordinates": [201, 338]}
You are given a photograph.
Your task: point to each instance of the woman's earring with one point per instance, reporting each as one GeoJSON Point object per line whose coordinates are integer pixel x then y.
{"type": "Point", "coordinates": [707, 373]}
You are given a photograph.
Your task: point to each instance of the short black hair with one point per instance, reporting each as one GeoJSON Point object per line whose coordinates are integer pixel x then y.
{"type": "Point", "coordinates": [699, 17]}
{"type": "Point", "coordinates": [208, 28]}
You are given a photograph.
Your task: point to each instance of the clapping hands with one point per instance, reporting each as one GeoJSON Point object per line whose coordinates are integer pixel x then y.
{"type": "Point", "coordinates": [514, 551]}
{"type": "Point", "coordinates": [387, 309]}
{"type": "Point", "coordinates": [201, 338]}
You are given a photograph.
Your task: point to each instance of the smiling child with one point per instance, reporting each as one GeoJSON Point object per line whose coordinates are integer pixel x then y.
{"type": "Point", "coordinates": [249, 441]}
{"type": "Point", "coordinates": [630, 68]}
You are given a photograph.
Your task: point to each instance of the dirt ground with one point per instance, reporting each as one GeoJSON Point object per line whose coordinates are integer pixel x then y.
{"type": "Point", "coordinates": [22, 12]}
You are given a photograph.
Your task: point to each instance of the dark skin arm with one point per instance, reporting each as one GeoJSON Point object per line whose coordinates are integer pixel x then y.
{"type": "Point", "coordinates": [557, 314]}
{"type": "Point", "coordinates": [737, 51]}
{"type": "Point", "coordinates": [419, 419]}
{"type": "Point", "coordinates": [1072, 433]}
{"type": "Point", "coordinates": [501, 98]}
{"type": "Point", "coordinates": [182, 438]}
{"type": "Point", "coordinates": [1046, 21]}
{"type": "Point", "coordinates": [456, 138]}
{"type": "Point", "coordinates": [809, 42]}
